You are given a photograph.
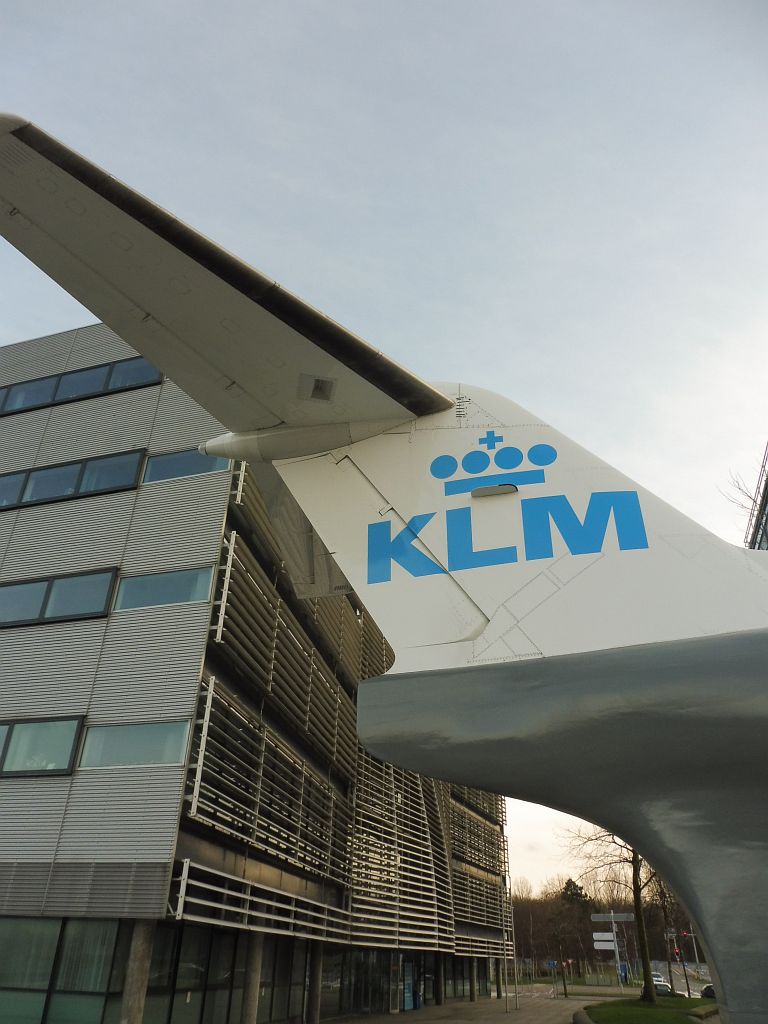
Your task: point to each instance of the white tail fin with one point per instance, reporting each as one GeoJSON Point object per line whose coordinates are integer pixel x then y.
{"type": "Point", "coordinates": [482, 534]}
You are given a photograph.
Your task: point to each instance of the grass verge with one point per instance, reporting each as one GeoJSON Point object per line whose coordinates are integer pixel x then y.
{"type": "Point", "coordinates": [633, 1011]}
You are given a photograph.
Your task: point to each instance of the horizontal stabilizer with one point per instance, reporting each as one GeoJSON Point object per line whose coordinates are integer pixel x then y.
{"type": "Point", "coordinates": [254, 355]}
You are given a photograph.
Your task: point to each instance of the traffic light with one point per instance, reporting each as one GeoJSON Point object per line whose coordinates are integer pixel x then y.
{"type": "Point", "coordinates": [685, 934]}
{"type": "Point", "coordinates": [677, 953]}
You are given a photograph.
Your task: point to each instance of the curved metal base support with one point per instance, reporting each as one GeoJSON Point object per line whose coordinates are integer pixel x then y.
{"type": "Point", "coordinates": [664, 744]}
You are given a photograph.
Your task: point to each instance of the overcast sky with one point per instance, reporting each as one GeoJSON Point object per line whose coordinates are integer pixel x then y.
{"type": "Point", "coordinates": [565, 201]}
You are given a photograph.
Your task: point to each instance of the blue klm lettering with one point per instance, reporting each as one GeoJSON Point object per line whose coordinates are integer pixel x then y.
{"type": "Point", "coordinates": [581, 538]}
{"type": "Point", "coordinates": [384, 549]}
{"type": "Point", "coordinates": [461, 553]}
{"type": "Point", "coordinates": [585, 538]}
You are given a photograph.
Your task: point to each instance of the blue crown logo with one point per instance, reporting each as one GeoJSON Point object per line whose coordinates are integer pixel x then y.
{"type": "Point", "coordinates": [506, 459]}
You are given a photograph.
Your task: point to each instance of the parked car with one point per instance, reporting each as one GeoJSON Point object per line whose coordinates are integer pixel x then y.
{"type": "Point", "coordinates": [708, 992]}
{"type": "Point", "coordinates": [655, 976]}
{"type": "Point", "coordinates": [663, 988]}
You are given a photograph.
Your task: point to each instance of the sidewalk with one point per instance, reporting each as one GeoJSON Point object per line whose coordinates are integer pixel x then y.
{"type": "Point", "coordinates": [536, 1007]}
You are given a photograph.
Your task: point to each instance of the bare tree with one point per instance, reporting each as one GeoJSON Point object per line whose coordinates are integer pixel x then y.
{"type": "Point", "coordinates": [660, 894]}
{"type": "Point", "coordinates": [613, 866]}
{"type": "Point", "coordinates": [521, 890]}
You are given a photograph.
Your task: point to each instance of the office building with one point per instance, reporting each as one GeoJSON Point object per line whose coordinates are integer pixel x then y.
{"type": "Point", "coordinates": [187, 822]}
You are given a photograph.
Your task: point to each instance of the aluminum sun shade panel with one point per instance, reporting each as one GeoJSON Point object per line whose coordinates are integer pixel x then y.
{"type": "Point", "coordinates": [438, 831]}
{"type": "Point", "coordinates": [273, 652]}
{"type": "Point", "coordinates": [201, 894]}
{"type": "Point", "coordinates": [490, 805]}
{"type": "Point", "coordinates": [245, 781]}
{"type": "Point", "coordinates": [353, 642]}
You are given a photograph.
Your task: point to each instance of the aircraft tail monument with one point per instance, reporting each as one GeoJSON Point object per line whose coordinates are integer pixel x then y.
{"type": "Point", "coordinates": [562, 635]}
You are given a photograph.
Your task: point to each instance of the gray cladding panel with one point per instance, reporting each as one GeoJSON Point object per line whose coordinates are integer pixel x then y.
{"type": "Point", "coordinates": [22, 886]}
{"type": "Point", "coordinates": [49, 670]}
{"type": "Point", "coordinates": [69, 536]}
{"type": "Point", "coordinates": [96, 344]}
{"type": "Point", "coordinates": [111, 889]}
{"type": "Point", "coordinates": [120, 814]}
{"type": "Point", "coordinates": [177, 523]}
{"type": "Point", "coordinates": [7, 526]}
{"type": "Point", "coordinates": [151, 664]}
{"type": "Point", "coordinates": [99, 426]}
{"type": "Point", "coordinates": [31, 810]}
{"type": "Point", "coordinates": [181, 422]}
{"type": "Point", "coordinates": [20, 439]}
{"type": "Point", "coordinates": [39, 358]}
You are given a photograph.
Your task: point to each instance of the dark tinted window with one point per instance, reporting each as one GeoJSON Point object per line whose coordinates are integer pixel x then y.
{"type": "Point", "coordinates": [83, 596]}
{"type": "Point", "coordinates": [10, 488]}
{"type": "Point", "coordinates": [30, 393]}
{"type": "Point", "coordinates": [82, 383]}
{"type": "Point", "coordinates": [79, 596]}
{"type": "Point", "coordinates": [41, 746]}
{"type": "Point", "coordinates": [189, 463]}
{"type": "Point", "coordinates": [111, 473]}
{"type": "Point", "coordinates": [133, 372]}
{"type": "Point", "coordinates": [20, 602]}
{"type": "Point", "coordinates": [69, 387]}
{"type": "Point", "coordinates": [51, 482]}
{"type": "Point", "coordinates": [179, 587]}
{"type": "Point", "coordinates": [29, 946]}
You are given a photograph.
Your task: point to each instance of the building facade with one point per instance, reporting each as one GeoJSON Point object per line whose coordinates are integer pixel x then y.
{"type": "Point", "coordinates": [757, 526]}
{"type": "Point", "coordinates": [189, 830]}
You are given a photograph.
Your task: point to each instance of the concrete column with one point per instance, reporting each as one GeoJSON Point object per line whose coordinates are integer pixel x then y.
{"type": "Point", "coordinates": [439, 979]}
{"type": "Point", "coordinates": [499, 978]}
{"type": "Point", "coordinates": [315, 982]}
{"type": "Point", "coordinates": [473, 979]}
{"type": "Point", "coordinates": [252, 984]}
{"type": "Point", "coordinates": [137, 972]}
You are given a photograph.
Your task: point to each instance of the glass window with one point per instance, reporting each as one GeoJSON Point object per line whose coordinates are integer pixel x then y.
{"type": "Point", "coordinates": [41, 746]}
{"type": "Point", "coordinates": [28, 946]}
{"type": "Point", "coordinates": [30, 393]}
{"type": "Point", "coordinates": [3, 734]}
{"type": "Point", "coordinates": [164, 588]}
{"type": "Point", "coordinates": [154, 743]}
{"type": "Point", "coordinates": [23, 1007]}
{"type": "Point", "coordinates": [74, 1009]}
{"type": "Point", "coordinates": [53, 482]}
{"type": "Point", "coordinates": [111, 473]}
{"type": "Point", "coordinates": [86, 956]}
{"type": "Point", "coordinates": [3, 393]}
{"type": "Point", "coordinates": [189, 463]}
{"type": "Point", "coordinates": [20, 602]}
{"type": "Point", "coordinates": [193, 958]}
{"type": "Point", "coordinates": [10, 488]}
{"type": "Point", "coordinates": [131, 373]}
{"type": "Point", "coordinates": [82, 383]}
{"type": "Point", "coordinates": [78, 596]}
